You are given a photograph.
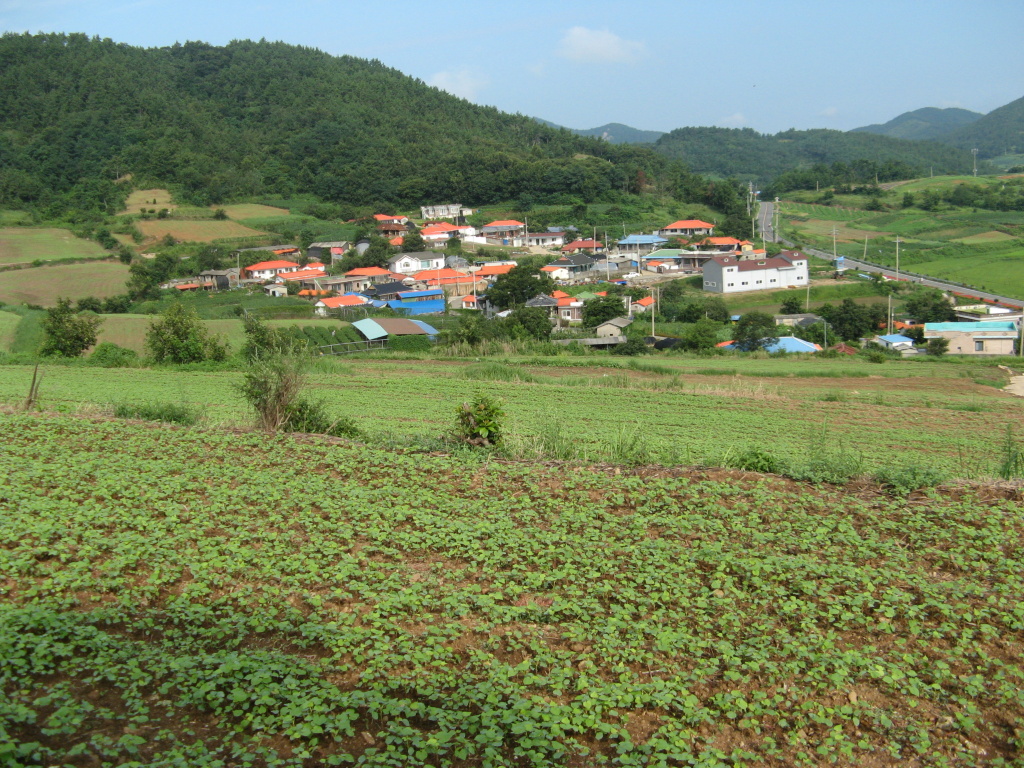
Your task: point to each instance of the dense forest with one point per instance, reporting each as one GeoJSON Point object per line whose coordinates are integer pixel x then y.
{"type": "Point", "coordinates": [999, 132]}
{"type": "Point", "coordinates": [747, 154]}
{"type": "Point", "coordinates": [924, 124]}
{"type": "Point", "coordinates": [260, 118]}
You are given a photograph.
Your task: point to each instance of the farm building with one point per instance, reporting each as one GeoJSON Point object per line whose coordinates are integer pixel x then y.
{"type": "Point", "coordinates": [374, 328]}
{"type": "Point", "coordinates": [728, 274]}
{"type": "Point", "coordinates": [984, 338]}
{"type": "Point", "coordinates": [614, 327]}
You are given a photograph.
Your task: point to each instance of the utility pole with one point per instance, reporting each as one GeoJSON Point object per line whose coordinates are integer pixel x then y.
{"type": "Point", "coordinates": [835, 232]}
{"type": "Point", "coordinates": [975, 153]}
{"type": "Point", "coordinates": [775, 227]}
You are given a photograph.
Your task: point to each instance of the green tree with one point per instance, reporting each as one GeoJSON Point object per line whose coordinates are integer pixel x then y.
{"type": "Point", "coordinates": [929, 305]}
{"type": "Point", "coordinates": [937, 347]}
{"type": "Point", "coordinates": [519, 285]}
{"type": "Point", "coordinates": [179, 336]}
{"type": "Point", "coordinates": [529, 322]}
{"type": "Point", "coordinates": [602, 309]}
{"type": "Point", "coordinates": [702, 335]}
{"type": "Point", "coordinates": [67, 333]}
{"type": "Point", "coordinates": [755, 330]}
{"type": "Point", "coordinates": [454, 245]}
{"type": "Point", "coordinates": [413, 242]}
{"type": "Point", "coordinates": [791, 306]}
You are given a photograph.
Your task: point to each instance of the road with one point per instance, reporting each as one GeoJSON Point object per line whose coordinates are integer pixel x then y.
{"type": "Point", "coordinates": [764, 219]}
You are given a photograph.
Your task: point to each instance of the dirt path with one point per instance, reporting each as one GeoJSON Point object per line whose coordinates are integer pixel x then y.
{"type": "Point", "coordinates": [1016, 386]}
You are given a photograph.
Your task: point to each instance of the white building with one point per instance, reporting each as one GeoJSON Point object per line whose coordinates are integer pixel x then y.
{"type": "Point", "coordinates": [445, 211]}
{"type": "Point", "coordinates": [411, 263]}
{"type": "Point", "coordinates": [728, 274]}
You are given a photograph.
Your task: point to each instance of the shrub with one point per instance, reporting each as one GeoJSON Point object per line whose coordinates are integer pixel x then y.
{"type": "Point", "coordinates": [631, 347]}
{"type": "Point", "coordinates": [903, 480]}
{"type": "Point", "coordinates": [171, 413]}
{"type": "Point", "coordinates": [937, 347]}
{"type": "Point", "coordinates": [480, 423]}
{"type": "Point", "coordinates": [755, 459]}
{"type": "Point", "coordinates": [1012, 464]}
{"type": "Point", "coordinates": [109, 355]}
{"type": "Point", "coordinates": [410, 343]}
{"type": "Point", "coordinates": [179, 336]}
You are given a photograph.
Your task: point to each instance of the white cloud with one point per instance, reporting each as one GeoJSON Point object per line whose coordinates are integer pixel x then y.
{"type": "Point", "coordinates": [829, 112]}
{"type": "Point", "coordinates": [736, 119]}
{"type": "Point", "coordinates": [462, 83]}
{"type": "Point", "coordinates": [595, 46]}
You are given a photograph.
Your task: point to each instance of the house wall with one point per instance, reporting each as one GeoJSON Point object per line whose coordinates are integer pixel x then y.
{"type": "Point", "coordinates": [992, 343]}
{"type": "Point", "coordinates": [729, 279]}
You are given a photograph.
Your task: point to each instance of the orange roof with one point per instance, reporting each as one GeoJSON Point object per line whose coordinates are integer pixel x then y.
{"type": "Point", "coordinates": [689, 224]}
{"type": "Point", "coordinates": [722, 241]}
{"type": "Point", "coordinates": [601, 293]}
{"type": "Point", "coordinates": [186, 286]}
{"type": "Point", "coordinates": [342, 301]}
{"type": "Point", "coordinates": [725, 343]}
{"type": "Point", "coordinates": [549, 268]}
{"type": "Point", "coordinates": [272, 265]}
{"type": "Point", "coordinates": [494, 269]}
{"type": "Point", "coordinates": [646, 301]}
{"type": "Point", "coordinates": [316, 265]}
{"type": "Point", "coordinates": [282, 251]}
{"type": "Point", "coordinates": [559, 295]}
{"type": "Point", "coordinates": [367, 272]}
{"type": "Point", "coordinates": [395, 241]}
{"type": "Point", "coordinates": [303, 274]}
{"type": "Point", "coordinates": [589, 245]}
{"type": "Point", "coordinates": [387, 217]}
{"type": "Point", "coordinates": [435, 274]}
{"type": "Point", "coordinates": [443, 226]}
{"type": "Point", "coordinates": [467, 299]}
{"type": "Point", "coordinates": [505, 223]}
{"type": "Point", "coordinates": [568, 301]}
{"type": "Point", "coordinates": [312, 292]}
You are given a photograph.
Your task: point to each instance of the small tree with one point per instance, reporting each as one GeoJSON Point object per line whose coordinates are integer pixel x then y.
{"type": "Point", "coordinates": [602, 309]}
{"type": "Point", "coordinates": [755, 330]}
{"type": "Point", "coordinates": [937, 347]}
{"type": "Point", "coordinates": [67, 333]}
{"type": "Point", "coordinates": [479, 423]}
{"type": "Point", "coordinates": [791, 306]}
{"type": "Point", "coordinates": [179, 336]}
{"type": "Point", "coordinates": [519, 285]}
{"type": "Point", "coordinates": [413, 242]}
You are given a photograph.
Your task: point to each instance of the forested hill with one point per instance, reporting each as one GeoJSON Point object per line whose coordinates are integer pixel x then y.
{"type": "Point", "coordinates": [257, 118]}
{"type": "Point", "coordinates": [926, 123]}
{"type": "Point", "coordinates": [745, 153]}
{"type": "Point", "coordinates": [999, 132]}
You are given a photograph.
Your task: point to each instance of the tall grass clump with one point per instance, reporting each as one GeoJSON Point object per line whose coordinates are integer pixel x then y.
{"type": "Point", "coordinates": [498, 372]}
{"type": "Point", "coordinates": [629, 445]}
{"type": "Point", "coordinates": [1012, 464]}
{"type": "Point", "coordinates": [168, 413]}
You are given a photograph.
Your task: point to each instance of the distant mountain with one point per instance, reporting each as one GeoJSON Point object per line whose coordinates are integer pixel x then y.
{"type": "Point", "coordinates": [999, 132]}
{"type": "Point", "coordinates": [747, 154]}
{"type": "Point", "coordinates": [926, 123]}
{"type": "Point", "coordinates": [613, 133]}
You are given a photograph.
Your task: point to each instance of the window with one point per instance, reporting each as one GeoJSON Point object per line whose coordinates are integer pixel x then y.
{"type": "Point", "coordinates": [759, 282]}
{"type": "Point", "coordinates": [425, 264]}
{"type": "Point", "coordinates": [744, 282]}
{"type": "Point", "coordinates": [730, 285]}
{"type": "Point", "coordinates": [979, 346]}
{"type": "Point", "coordinates": [772, 280]}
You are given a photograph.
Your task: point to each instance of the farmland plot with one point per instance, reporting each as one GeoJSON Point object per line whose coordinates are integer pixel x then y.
{"type": "Point", "coordinates": [395, 609]}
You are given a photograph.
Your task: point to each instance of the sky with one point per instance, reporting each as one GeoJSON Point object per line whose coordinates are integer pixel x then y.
{"type": "Point", "coordinates": [654, 65]}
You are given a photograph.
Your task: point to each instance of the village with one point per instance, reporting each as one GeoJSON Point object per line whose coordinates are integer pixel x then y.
{"type": "Point", "coordinates": [431, 282]}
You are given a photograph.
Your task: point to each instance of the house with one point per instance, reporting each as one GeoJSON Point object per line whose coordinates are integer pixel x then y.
{"type": "Point", "coordinates": [444, 211]}
{"type": "Point", "coordinates": [419, 307]}
{"type": "Point", "coordinates": [728, 274]}
{"type": "Point", "coordinates": [387, 291]}
{"type": "Point", "coordinates": [801, 320]}
{"type": "Point", "coordinates": [222, 279]}
{"type": "Point", "coordinates": [641, 245]}
{"type": "Point", "coordinates": [545, 239]}
{"type": "Point", "coordinates": [391, 231]}
{"type": "Point", "coordinates": [267, 270]}
{"type": "Point", "coordinates": [723, 244]}
{"type": "Point", "coordinates": [508, 231]}
{"type": "Point", "coordinates": [579, 246]}
{"type": "Point", "coordinates": [301, 276]}
{"type": "Point", "coordinates": [339, 302]}
{"type": "Point", "coordinates": [895, 341]}
{"type": "Point", "coordinates": [495, 269]}
{"type": "Point", "coordinates": [387, 218]}
{"type": "Point", "coordinates": [375, 275]}
{"type": "Point", "coordinates": [334, 251]}
{"type": "Point", "coordinates": [845, 349]}
{"type": "Point", "coordinates": [981, 338]}
{"type": "Point", "coordinates": [556, 273]}
{"type": "Point", "coordinates": [277, 290]}
{"type": "Point", "coordinates": [442, 232]}
{"type": "Point", "coordinates": [410, 263]}
{"type": "Point", "coordinates": [376, 328]}
{"type": "Point", "coordinates": [574, 264]}
{"type": "Point", "coordinates": [542, 301]}
{"type": "Point", "coordinates": [687, 228]}
{"type": "Point", "coordinates": [570, 310]}
{"type": "Point", "coordinates": [614, 327]}
{"type": "Point", "coordinates": [467, 302]}
{"type": "Point", "coordinates": [791, 344]}
{"type": "Point", "coordinates": [432, 294]}
{"type": "Point", "coordinates": [641, 305]}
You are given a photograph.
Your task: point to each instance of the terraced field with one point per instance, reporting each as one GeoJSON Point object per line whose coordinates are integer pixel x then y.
{"type": "Point", "coordinates": [204, 597]}
{"type": "Point", "coordinates": [24, 245]}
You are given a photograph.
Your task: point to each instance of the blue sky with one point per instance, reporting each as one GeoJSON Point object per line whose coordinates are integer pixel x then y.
{"type": "Point", "coordinates": [653, 65]}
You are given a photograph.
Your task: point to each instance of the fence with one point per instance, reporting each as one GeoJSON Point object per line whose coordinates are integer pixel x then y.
{"type": "Point", "coordinates": [348, 347]}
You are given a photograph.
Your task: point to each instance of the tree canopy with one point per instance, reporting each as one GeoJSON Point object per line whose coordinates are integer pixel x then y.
{"type": "Point", "coordinates": [67, 333]}
{"type": "Point", "coordinates": [519, 285]}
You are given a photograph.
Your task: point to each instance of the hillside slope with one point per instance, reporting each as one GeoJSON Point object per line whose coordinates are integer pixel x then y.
{"type": "Point", "coordinates": [269, 118]}
{"type": "Point", "coordinates": [999, 132]}
{"type": "Point", "coordinates": [923, 124]}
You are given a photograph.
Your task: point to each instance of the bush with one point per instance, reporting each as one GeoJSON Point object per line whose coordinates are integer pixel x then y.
{"type": "Point", "coordinates": [903, 480]}
{"type": "Point", "coordinates": [179, 336]}
{"type": "Point", "coordinates": [170, 413]}
{"type": "Point", "coordinates": [631, 347]}
{"type": "Point", "coordinates": [755, 459]}
{"type": "Point", "coordinates": [937, 347]}
{"type": "Point", "coordinates": [273, 386]}
{"type": "Point", "coordinates": [109, 355]}
{"type": "Point", "coordinates": [480, 423]}
{"type": "Point", "coordinates": [410, 343]}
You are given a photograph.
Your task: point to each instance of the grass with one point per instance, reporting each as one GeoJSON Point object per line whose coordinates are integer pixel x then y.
{"type": "Point", "coordinates": [43, 285]}
{"type": "Point", "coordinates": [202, 231]}
{"type": "Point", "coordinates": [8, 325]}
{"type": "Point", "coordinates": [167, 413]}
{"type": "Point", "coordinates": [240, 211]}
{"type": "Point", "coordinates": [144, 198]}
{"type": "Point", "coordinates": [24, 245]}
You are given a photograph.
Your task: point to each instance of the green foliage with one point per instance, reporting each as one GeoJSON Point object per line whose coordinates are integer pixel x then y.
{"type": "Point", "coordinates": [602, 309]}
{"type": "Point", "coordinates": [755, 330]}
{"type": "Point", "coordinates": [906, 478]}
{"type": "Point", "coordinates": [67, 333]}
{"type": "Point", "coordinates": [519, 285]}
{"type": "Point", "coordinates": [179, 336]}
{"type": "Point", "coordinates": [937, 347]}
{"type": "Point", "coordinates": [525, 323]}
{"type": "Point", "coordinates": [631, 347]}
{"type": "Point", "coordinates": [492, 371]}
{"type": "Point", "coordinates": [410, 343]}
{"type": "Point", "coordinates": [754, 459]}
{"type": "Point", "coordinates": [170, 413]}
{"type": "Point", "coordinates": [109, 355]}
{"type": "Point", "coordinates": [791, 306]}
{"type": "Point", "coordinates": [480, 422]}
{"type": "Point", "coordinates": [1012, 464]}
{"type": "Point", "coordinates": [929, 305]}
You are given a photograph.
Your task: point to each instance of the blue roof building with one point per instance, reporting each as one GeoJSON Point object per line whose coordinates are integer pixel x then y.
{"type": "Point", "coordinates": [641, 244]}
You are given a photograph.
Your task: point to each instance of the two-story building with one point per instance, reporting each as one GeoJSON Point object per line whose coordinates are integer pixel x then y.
{"type": "Point", "coordinates": [729, 274]}
{"type": "Point", "coordinates": [411, 263]}
{"type": "Point", "coordinates": [687, 228]}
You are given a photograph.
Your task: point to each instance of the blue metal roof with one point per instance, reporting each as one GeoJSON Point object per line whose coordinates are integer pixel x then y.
{"type": "Point", "coordinates": [430, 307]}
{"type": "Point", "coordinates": [790, 344]}
{"type": "Point", "coordinates": [1003, 325]}
{"type": "Point", "coordinates": [370, 329]}
{"type": "Point", "coordinates": [643, 240]}
{"type": "Point", "coordinates": [896, 338]}
{"type": "Point", "coordinates": [431, 330]}
{"type": "Point", "coordinates": [417, 294]}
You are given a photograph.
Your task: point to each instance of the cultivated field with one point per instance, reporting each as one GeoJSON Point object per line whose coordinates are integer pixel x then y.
{"type": "Point", "coordinates": [202, 597]}
{"type": "Point", "coordinates": [240, 211]}
{"type": "Point", "coordinates": [144, 199]}
{"type": "Point", "coordinates": [23, 245]}
{"type": "Point", "coordinates": [8, 323]}
{"type": "Point", "coordinates": [43, 285]}
{"type": "Point", "coordinates": [202, 230]}
{"type": "Point", "coordinates": [945, 415]}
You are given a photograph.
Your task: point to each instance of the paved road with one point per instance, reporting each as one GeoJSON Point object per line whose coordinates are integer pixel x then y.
{"type": "Point", "coordinates": [764, 219]}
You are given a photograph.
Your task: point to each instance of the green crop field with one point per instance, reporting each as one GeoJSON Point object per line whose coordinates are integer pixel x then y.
{"type": "Point", "coordinates": [202, 230]}
{"type": "Point", "coordinates": [240, 211]}
{"type": "Point", "coordinates": [8, 325]}
{"type": "Point", "coordinates": [24, 245]}
{"type": "Point", "coordinates": [943, 415]}
{"type": "Point", "coordinates": [203, 597]}
{"type": "Point", "coordinates": [43, 285]}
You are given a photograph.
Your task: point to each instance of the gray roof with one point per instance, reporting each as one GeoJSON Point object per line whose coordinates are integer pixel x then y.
{"type": "Point", "coordinates": [542, 300]}
{"type": "Point", "coordinates": [575, 260]}
{"type": "Point", "coordinates": [618, 322]}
